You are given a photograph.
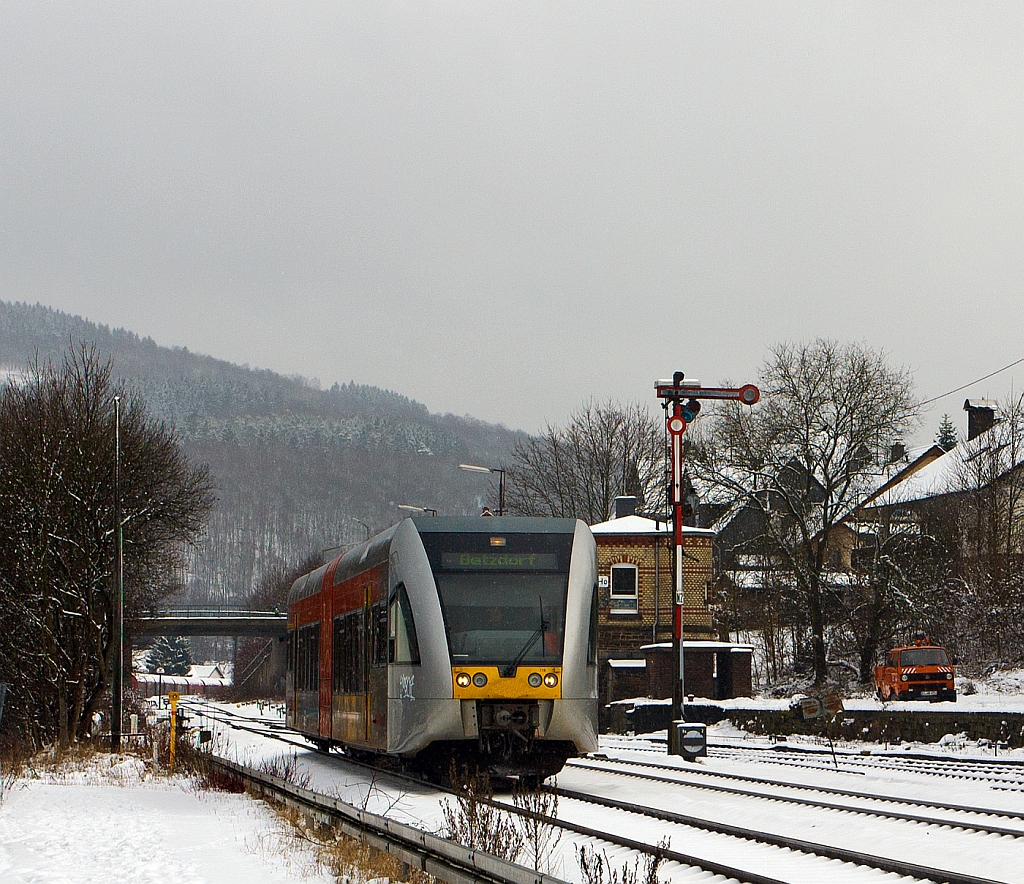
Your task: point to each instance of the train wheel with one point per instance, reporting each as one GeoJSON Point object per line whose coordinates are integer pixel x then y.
{"type": "Point", "coordinates": [530, 782]}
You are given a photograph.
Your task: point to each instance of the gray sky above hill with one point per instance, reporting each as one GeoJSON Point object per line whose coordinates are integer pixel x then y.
{"type": "Point", "coordinates": [506, 209]}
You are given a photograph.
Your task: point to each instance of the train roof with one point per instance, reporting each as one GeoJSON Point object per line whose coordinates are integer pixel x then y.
{"type": "Point", "coordinates": [376, 549]}
{"type": "Point", "coordinates": [491, 524]}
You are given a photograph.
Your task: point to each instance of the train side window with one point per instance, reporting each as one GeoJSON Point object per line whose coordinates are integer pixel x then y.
{"type": "Point", "coordinates": [307, 658]}
{"type": "Point", "coordinates": [592, 638]}
{"type": "Point", "coordinates": [379, 621]}
{"type": "Point", "coordinates": [349, 653]}
{"type": "Point", "coordinates": [338, 645]}
{"type": "Point", "coordinates": [314, 657]}
{"type": "Point", "coordinates": [403, 647]}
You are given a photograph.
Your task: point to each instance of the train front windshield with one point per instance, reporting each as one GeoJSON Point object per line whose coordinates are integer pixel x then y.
{"type": "Point", "coordinates": [502, 595]}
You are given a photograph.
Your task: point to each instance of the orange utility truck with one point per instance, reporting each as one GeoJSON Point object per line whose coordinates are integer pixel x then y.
{"type": "Point", "coordinates": [921, 671]}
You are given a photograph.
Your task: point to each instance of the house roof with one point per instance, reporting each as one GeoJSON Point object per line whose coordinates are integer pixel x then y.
{"type": "Point", "coordinates": [635, 525]}
{"type": "Point", "coordinates": [920, 467]}
{"type": "Point", "coordinates": [941, 475]}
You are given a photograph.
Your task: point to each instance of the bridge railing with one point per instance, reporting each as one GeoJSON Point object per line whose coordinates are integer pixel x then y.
{"type": "Point", "coordinates": [186, 611]}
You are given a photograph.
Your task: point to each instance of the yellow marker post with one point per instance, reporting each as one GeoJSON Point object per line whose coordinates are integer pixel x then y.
{"type": "Point", "coordinates": [173, 696]}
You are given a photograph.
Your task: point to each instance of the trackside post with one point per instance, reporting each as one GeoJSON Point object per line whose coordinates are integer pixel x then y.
{"type": "Point", "coordinates": [173, 696]}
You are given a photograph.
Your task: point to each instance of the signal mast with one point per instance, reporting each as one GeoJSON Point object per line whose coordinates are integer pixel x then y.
{"type": "Point", "coordinates": [675, 393]}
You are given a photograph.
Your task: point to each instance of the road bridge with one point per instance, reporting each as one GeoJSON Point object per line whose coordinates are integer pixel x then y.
{"type": "Point", "coordinates": [213, 622]}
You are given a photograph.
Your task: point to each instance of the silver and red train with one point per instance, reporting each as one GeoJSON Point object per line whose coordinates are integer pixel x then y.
{"type": "Point", "coordinates": [451, 640]}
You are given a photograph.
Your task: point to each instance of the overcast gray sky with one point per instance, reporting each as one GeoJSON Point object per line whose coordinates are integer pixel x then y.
{"type": "Point", "coordinates": [506, 209]}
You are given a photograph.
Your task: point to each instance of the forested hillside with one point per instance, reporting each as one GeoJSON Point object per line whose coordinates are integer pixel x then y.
{"type": "Point", "coordinates": [298, 469]}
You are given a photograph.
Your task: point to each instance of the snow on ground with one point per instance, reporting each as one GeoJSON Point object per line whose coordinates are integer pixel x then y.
{"type": "Point", "coordinates": [998, 858]}
{"type": "Point", "coordinates": [113, 821]}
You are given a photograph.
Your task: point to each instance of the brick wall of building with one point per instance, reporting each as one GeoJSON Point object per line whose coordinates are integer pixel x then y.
{"type": "Point", "coordinates": [652, 555]}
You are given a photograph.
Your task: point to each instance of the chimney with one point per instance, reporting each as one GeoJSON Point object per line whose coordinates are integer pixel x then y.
{"type": "Point", "coordinates": [898, 451]}
{"type": "Point", "coordinates": [623, 506]}
{"type": "Point", "coordinates": [981, 415]}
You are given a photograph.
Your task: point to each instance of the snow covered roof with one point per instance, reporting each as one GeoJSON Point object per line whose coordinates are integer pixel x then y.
{"type": "Point", "coordinates": [628, 664]}
{"type": "Point", "coordinates": [705, 646]}
{"type": "Point", "coordinates": [172, 681]}
{"type": "Point", "coordinates": [942, 475]}
{"type": "Point", "coordinates": [642, 525]}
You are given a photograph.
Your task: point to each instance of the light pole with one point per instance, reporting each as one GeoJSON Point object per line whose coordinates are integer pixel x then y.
{"type": "Point", "coordinates": [422, 510]}
{"type": "Point", "coordinates": [117, 679]}
{"type": "Point", "coordinates": [471, 468]}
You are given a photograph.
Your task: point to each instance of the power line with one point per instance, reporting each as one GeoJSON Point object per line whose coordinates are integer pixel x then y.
{"type": "Point", "coordinates": [971, 383]}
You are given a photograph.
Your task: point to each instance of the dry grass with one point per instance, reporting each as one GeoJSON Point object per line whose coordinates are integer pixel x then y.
{"type": "Point", "coordinates": [347, 859]}
{"type": "Point", "coordinates": [540, 839]}
{"type": "Point", "coordinates": [473, 822]}
{"type": "Point", "coordinates": [596, 868]}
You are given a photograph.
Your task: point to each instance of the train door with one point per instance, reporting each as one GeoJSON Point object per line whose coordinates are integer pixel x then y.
{"type": "Point", "coordinates": [377, 696]}
{"type": "Point", "coordinates": [350, 676]}
{"type": "Point", "coordinates": [326, 649]}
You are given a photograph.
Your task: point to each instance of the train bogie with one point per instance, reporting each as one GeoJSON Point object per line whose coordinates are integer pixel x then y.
{"type": "Point", "coordinates": [452, 639]}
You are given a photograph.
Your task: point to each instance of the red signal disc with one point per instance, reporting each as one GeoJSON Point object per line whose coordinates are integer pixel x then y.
{"type": "Point", "coordinates": [749, 394]}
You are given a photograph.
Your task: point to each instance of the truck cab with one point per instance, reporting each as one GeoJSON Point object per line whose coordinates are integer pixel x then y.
{"type": "Point", "coordinates": [921, 671]}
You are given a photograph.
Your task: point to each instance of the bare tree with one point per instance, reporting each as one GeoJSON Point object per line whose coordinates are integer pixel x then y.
{"type": "Point", "coordinates": [986, 501]}
{"type": "Point", "coordinates": [58, 536]}
{"type": "Point", "coordinates": [606, 450]}
{"type": "Point", "coordinates": [805, 456]}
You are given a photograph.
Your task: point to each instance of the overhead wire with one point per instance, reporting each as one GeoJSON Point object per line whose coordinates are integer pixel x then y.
{"type": "Point", "coordinates": [971, 383]}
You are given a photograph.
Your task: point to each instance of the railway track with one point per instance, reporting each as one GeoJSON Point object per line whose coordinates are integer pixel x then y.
{"type": "Point", "coordinates": [629, 828]}
{"type": "Point", "coordinates": [815, 855]}
{"type": "Point", "coordinates": [1001, 775]}
{"type": "Point", "coordinates": [714, 781]}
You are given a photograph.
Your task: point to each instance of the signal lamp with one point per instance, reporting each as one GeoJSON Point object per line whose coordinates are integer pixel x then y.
{"type": "Point", "coordinates": [691, 410]}
{"type": "Point", "coordinates": [550, 680]}
{"type": "Point", "coordinates": [479, 679]}
{"type": "Point", "coordinates": [463, 680]}
{"type": "Point", "coordinates": [534, 680]}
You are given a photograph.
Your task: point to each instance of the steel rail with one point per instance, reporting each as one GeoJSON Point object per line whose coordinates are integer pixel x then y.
{"type": "Point", "coordinates": [600, 765]}
{"type": "Point", "coordinates": [890, 762]}
{"type": "Point", "coordinates": [886, 864]}
{"type": "Point", "coordinates": [883, 863]}
{"type": "Point", "coordinates": [437, 856]}
{"type": "Point", "coordinates": [630, 844]}
{"type": "Point", "coordinates": [861, 755]}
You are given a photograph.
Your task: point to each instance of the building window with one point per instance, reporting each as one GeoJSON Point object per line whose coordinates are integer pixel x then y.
{"type": "Point", "coordinates": [623, 595]}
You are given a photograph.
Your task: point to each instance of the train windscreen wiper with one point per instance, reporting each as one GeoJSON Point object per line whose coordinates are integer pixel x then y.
{"type": "Point", "coordinates": [545, 626]}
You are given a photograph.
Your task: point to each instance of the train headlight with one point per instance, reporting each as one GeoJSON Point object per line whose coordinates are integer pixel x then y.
{"type": "Point", "coordinates": [904, 677]}
{"type": "Point", "coordinates": [949, 675]}
{"type": "Point", "coordinates": [479, 679]}
{"type": "Point", "coordinates": [463, 680]}
{"type": "Point", "coordinates": [550, 680]}
{"type": "Point", "coordinates": [534, 680]}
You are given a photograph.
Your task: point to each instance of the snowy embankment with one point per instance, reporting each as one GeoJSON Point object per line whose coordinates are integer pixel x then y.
{"type": "Point", "coordinates": [112, 819]}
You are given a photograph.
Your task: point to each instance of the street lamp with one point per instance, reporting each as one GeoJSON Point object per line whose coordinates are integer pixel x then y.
{"type": "Point", "coordinates": [422, 510]}
{"type": "Point", "coordinates": [471, 468]}
{"type": "Point", "coordinates": [117, 678]}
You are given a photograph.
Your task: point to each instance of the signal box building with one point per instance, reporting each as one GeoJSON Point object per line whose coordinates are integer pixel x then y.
{"type": "Point", "coordinates": [636, 612]}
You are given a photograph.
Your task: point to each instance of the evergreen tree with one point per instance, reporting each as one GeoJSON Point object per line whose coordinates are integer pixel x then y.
{"type": "Point", "coordinates": [946, 437]}
{"type": "Point", "coordinates": [173, 654]}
